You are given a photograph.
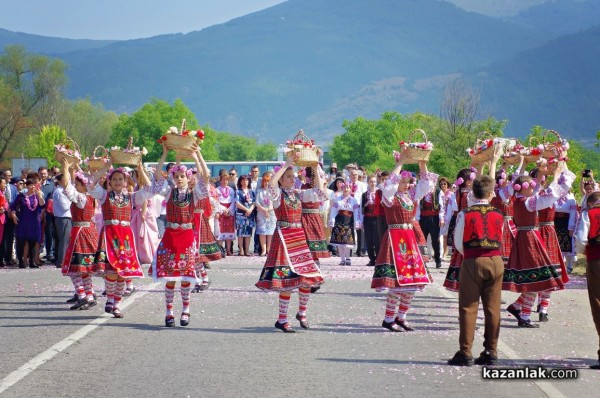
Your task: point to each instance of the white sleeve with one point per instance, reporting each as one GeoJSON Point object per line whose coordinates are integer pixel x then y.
{"type": "Point", "coordinates": [543, 200]}
{"type": "Point", "coordinates": [459, 231]}
{"type": "Point", "coordinates": [426, 184]}
{"type": "Point", "coordinates": [390, 187]}
{"type": "Point", "coordinates": [442, 204]}
{"type": "Point", "coordinates": [333, 213]}
{"type": "Point", "coordinates": [581, 233]}
{"type": "Point", "coordinates": [99, 194]}
{"type": "Point", "coordinates": [78, 198]}
{"type": "Point", "coordinates": [358, 217]}
{"type": "Point", "coordinates": [572, 214]}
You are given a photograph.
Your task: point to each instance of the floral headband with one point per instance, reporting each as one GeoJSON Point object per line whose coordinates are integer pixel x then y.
{"type": "Point", "coordinates": [118, 170]}
{"type": "Point", "coordinates": [81, 177]}
{"type": "Point", "coordinates": [405, 174]}
{"type": "Point", "coordinates": [277, 168]}
{"type": "Point", "coordinates": [525, 185]}
{"type": "Point", "coordinates": [183, 169]}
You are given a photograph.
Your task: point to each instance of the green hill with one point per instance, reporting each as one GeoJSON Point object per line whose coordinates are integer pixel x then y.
{"type": "Point", "coordinates": [47, 45]}
{"type": "Point", "coordinates": [555, 85]}
{"type": "Point", "coordinates": [271, 72]}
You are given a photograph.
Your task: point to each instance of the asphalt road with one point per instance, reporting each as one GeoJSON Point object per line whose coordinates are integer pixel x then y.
{"type": "Point", "coordinates": [230, 348]}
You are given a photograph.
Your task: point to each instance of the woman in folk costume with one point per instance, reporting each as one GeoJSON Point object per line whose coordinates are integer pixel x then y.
{"type": "Point", "coordinates": [289, 264]}
{"type": "Point", "coordinates": [565, 223]}
{"type": "Point", "coordinates": [530, 269]}
{"type": "Point", "coordinates": [116, 254]}
{"type": "Point", "coordinates": [464, 180]}
{"type": "Point", "coordinates": [208, 248]}
{"type": "Point", "coordinates": [79, 263]}
{"type": "Point", "coordinates": [399, 267]}
{"type": "Point", "coordinates": [175, 258]}
{"type": "Point", "coordinates": [312, 221]}
{"type": "Point", "coordinates": [226, 216]}
{"type": "Point", "coordinates": [549, 239]}
{"type": "Point", "coordinates": [503, 201]}
{"type": "Point", "coordinates": [344, 218]}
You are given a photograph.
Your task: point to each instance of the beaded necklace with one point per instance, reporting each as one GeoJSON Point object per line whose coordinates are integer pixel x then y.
{"type": "Point", "coordinates": [30, 206]}
{"type": "Point", "coordinates": [184, 200]}
{"type": "Point", "coordinates": [405, 200]}
{"type": "Point", "coordinates": [224, 191]}
{"type": "Point", "coordinates": [119, 199]}
{"type": "Point", "coordinates": [290, 199]}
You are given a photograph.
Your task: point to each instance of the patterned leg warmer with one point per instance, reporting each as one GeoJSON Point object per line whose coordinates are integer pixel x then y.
{"type": "Point", "coordinates": [169, 297]}
{"type": "Point", "coordinates": [405, 301]}
{"type": "Point", "coordinates": [304, 293]}
{"type": "Point", "coordinates": [391, 306]}
{"type": "Point", "coordinates": [186, 287]}
{"type": "Point", "coordinates": [284, 302]}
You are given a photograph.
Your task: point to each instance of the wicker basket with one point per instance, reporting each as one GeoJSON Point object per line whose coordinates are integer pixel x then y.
{"type": "Point", "coordinates": [120, 156]}
{"type": "Point", "coordinates": [308, 155]}
{"type": "Point", "coordinates": [487, 154]}
{"type": "Point", "coordinates": [73, 156]}
{"type": "Point", "coordinates": [552, 149]}
{"type": "Point", "coordinates": [96, 163]}
{"type": "Point", "coordinates": [534, 153]}
{"type": "Point", "coordinates": [510, 156]}
{"type": "Point", "coordinates": [414, 154]}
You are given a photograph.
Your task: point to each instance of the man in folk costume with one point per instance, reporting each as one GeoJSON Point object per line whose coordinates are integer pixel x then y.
{"type": "Point", "coordinates": [587, 237]}
{"type": "Point", "coordinates": [399, 267]}
{"type": "Point", "coordinates": [117, 254]}
{"type": "Point", "coordinates": [432, 219]}
{"type": "Point", "coordinates": [175, 258]}
{"type": "Point", "coordinates": [289, 263]}
{"type": "Point", "coordinates": [529, 269]}
{"type": "Point", "coordinates": [478, 237]}
{"type": "Point", "coordinates": [312, 221]}
{"type": "Point", "coordinates": [79, 261]}
{"type": "Point", "coordinates": [208, 248]}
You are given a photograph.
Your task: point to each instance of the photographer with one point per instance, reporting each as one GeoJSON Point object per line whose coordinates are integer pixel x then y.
{"type": "Point", "coordinates": [587, 186]}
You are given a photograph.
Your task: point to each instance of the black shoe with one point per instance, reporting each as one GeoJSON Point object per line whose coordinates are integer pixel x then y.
{"type": "Point", "coordinates": [315, 289]}
{"type": "Point", "coordinates": [109, 308]}
{"type": "Point", "coordinates": [404, 325]}
{"type": "Point", "coordinates": [486, 358]}
{"type": "Point", "coordinates": [2, 265]}
{"type": "Point", "coordinates": [196, 288]}
{"type": "Point", "coordinates": [170, 321]}
{"type": "Point", "coordinates": [104, 293]}
{"type": "Point", "coordinates": [12, 261]}
{"type": "Point", "coordinates": [527, 324]}
{"type": "Point", "coordinates": [204, 286]}
{"type": "Point", "coordinates": [79, 304]}
{"type": "Point", "coordinates": [514, 312]}
{"type": "Point", "coordinates": [596, 365]}
{"type": "Point", "coordinates": [185, 319]}
{"type": "Point", "coordinates": [33, 266]}
{"type": "Point", "coordinates": [50, 260]}
{"type": "Point", "coordinates": [73, 299]}
{"type": "Point", "coordinates": [207, 266]}
{"type": "Point", "coordinates": [303, 321]}
{"type": "Point", "coordinates": [460, 359]}
{"type": "Point", "coordinates": [284, 327]}
{"type": "Point", "coordinates": [538, 308]}
{"type": "Point", "coordinates": [371, 263]}
{"type": "Point", "coordinates": [543, 317]}
{"type": "Point", "coordinates": [21, 265]}
{"type": "Point", "coordinates": [438, 264]}
{"type": "Point", "coordinates": [391, 326]}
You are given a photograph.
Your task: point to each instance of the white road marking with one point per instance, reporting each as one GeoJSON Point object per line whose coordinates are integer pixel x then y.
{"type": "Point", "coordinates": [40, 359]}
{"type": "Point", "coordinates": [545, 387]}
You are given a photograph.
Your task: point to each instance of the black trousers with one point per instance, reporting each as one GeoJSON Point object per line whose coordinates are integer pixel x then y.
{"type": "Point", "coordinates": [371, 237]}
{"type": "Point", "coordinates": [431, 226]}
{"type": "Point", "coordinates": [8, 239]}
{"type": "Point", "coordinates": [21, 250]}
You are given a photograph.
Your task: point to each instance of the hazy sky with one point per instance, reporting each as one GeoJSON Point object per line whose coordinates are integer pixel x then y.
{"type": "Point", "coordinates": [120, 19]}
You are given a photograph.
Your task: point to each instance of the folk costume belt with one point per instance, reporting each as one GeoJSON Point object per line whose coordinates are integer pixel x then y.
{"type": "Point", "coordinates": [311, 211]}
{"type": "Point", "coordinates": [117, 222]}
{"type": "Point", "coordinates": [83, 224]}
{"type": "Point", "coordinates": [546, 223]}
{"type": "Point", "coordinates": [289, 224]}
{"type": "Point", "coordinates": [196, 211]}
{"type": "Point", "coordinates": [175, 225]}
{"type": "Point", "coordinates": [401, 226]}
{"type": "Point", "coordinates": [529, 228]}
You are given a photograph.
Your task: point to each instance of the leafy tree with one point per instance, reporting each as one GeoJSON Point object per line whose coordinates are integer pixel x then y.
{"type": "Point", "coordinates": [30, 85]}
{"type": "Point", "coordinates": [149, 123]}
{"type": "Point", "coordinates": [88, 124]}
{"type": "Point", "coordinates": [41, 145]}
{"type": "Point", "coordinates": [266, 152]}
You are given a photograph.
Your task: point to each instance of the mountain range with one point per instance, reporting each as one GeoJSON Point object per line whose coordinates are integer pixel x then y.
{"type": "Point", "coordinates": [313, 63]}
